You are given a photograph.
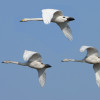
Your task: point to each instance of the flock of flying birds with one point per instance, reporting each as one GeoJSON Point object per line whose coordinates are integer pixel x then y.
{"type": "Point", "coordinates": [34, 59]}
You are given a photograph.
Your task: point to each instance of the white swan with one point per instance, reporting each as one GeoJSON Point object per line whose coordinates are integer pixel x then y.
{"type": "Point", "coordinates": [53, 15]}
{"type": "Point", "coordinates": [91, 58]}
{"type": "Point", "coordinates": [33, 60]}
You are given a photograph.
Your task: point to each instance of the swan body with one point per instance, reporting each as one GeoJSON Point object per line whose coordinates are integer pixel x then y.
{"type": "Point", "coordinates": [33, 60]}
{"type": "Point", "coordinates": [56, 16]}
{"type": "Point", "coordinates": [91, 58]}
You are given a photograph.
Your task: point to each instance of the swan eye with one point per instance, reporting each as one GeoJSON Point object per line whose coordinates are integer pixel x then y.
{"type": "Point", "coordinates": [63, 17]}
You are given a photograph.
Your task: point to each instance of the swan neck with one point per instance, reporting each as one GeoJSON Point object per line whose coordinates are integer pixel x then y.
{"type": "Point", "coordinates": [14, 62]}
{"type": "Point", "coordinates": [33, 19]}
{"type": "Point", "coordinates": [72, 60]}
{"type": "Point", "coordinates": [78, 60]}
{"type": "Point", "coordinates": [23, 64]}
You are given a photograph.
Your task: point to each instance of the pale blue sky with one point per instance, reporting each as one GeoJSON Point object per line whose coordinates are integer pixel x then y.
{"type": "Point", "coordinates": [72, 81]}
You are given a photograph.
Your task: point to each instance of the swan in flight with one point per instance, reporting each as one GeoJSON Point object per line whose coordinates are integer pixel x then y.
{"type": "Point", "coordinates": [33, 60]}
{"type": "Point", "coordinates": [91, 58]}
{"type": "Point", "coordinates": [56, 16]}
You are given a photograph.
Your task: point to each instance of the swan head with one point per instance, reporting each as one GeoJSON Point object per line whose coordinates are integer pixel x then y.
{"type": "Point", "coordinates": [65, 19]}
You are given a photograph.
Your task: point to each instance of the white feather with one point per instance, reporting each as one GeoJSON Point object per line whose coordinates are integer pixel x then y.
{"type": "Point", "coordinates": [31, 56]}
{"type": "Point", "coordinates": [48, 14]}
{"type": "Point", "coordinates": [91, 51]}
{"type": "Point", "coordinates": [96, 68]}
{"type": "Point", "coordinates": [42, 76]}
{"type": "Point", "coordinates": [66, 29]}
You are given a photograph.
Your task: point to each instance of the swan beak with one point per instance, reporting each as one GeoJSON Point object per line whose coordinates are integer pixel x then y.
{"type": "Point", "coordinates": [62, 61]}
{"type": "Point", "coordinates": [70, 19]}
{"type": "Point", "coordinates": [23, 20]}
{"type": "Point", "coordinates": [3, 62]}
{"type": "Point", "coordinates": [47, 66]}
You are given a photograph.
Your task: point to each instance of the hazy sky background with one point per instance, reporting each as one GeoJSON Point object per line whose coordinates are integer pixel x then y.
{"type": "Point", "coordinates": [64, 81]}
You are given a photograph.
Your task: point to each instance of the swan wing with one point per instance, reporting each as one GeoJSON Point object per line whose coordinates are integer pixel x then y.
{"type": "Point", "coordinates": [66, 29]}
{"type": "Point", "coordinates": [48, 14]}
{"type": "Point", "coordinates": [91, 51]}
{"type": "Point", "coordinates": [42, 76]}
{"type": "Point", "coordinates": [31, 56]}
{"type": "Point", "coordinates": [96, 68]}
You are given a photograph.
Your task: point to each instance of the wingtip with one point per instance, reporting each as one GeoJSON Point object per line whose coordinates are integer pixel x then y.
{"type": "Point", "coordinates": [42, 85]}
{"type": "Point", "coordinates": [25, 50]}
{"type": "Point", "coordinates": [82, 48]}
{"type": "Point", "coordinates": [46, 22]}
{"type": "Point", "coordinates": [70, 38]}
{"type": "Point", "coordinates": [98, 84]}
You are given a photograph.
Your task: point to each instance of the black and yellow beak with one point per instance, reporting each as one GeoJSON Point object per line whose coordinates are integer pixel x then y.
{"type": "Point", "coordinates": [23, 20]}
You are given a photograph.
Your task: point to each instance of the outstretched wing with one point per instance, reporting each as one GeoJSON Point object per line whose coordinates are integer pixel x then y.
{"type": "Point", "coordinates": [66, 29]}
{"type": "Point", "coordinates": [31, 56]}
{"type": "Point", "coordinates": [48, 14]}
{"type": "Point", "coordinates": [96, 68]}
{"type": "Point", "coordinates": [42, 76]}
{"type": "Point", "coordinates": [91, 51]}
